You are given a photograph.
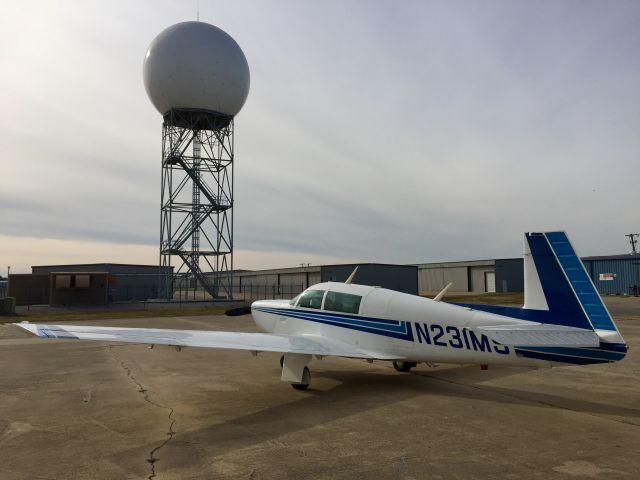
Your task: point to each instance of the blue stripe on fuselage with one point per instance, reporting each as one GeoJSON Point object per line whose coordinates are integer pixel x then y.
{"type": "Point", "coordinates": [550, 357]}
{"type": "Point", "coordinates": [449, 336]}
{"type": "Point", "coordinates": [576, 356]}
{"type": "Point", "coordinates": [388, 328]}
{"type": "Point", "coordinates": [574, 352]}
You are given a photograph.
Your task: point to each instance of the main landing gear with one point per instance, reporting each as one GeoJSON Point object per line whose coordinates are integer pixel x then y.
{"type": "Point", "coordinates": [295, 370]}
{"type": "Point", "coordinates": [403, 366]}
{"type": "Point", "coordinates": [306, 379]}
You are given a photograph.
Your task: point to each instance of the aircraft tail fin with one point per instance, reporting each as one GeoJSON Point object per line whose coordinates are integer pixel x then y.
{"type": "Point", "coordinates": [556, 281]}
{"type": "Point", "coordinates": [569, 322]}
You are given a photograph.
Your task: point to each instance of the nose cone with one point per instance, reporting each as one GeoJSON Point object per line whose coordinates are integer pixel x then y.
{"type": "Point", "coordinates": [266, 312]}
{"type": "Point", "coordinates": [257, 303]}
{"type": "Point", "coordinates": [258, 306]}
{"type": "Point", "coordinates": [270, 304]}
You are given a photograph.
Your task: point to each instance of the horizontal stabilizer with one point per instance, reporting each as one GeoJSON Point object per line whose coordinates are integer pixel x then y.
{"type": "Point", "coordinates": [259, 342]}
{"type": "Point", "coordinates": [541, 335]}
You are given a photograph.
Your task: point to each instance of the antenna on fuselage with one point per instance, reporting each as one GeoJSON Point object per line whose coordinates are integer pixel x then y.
{"type": "Point", "coordinates": [352, 276]}
{"type": "Point", "coordinates": [439, 296]}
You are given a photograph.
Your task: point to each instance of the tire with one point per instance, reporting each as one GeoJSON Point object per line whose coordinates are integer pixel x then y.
{"type": "Point", "coordinates": [306, 379]}
{"type": "Point", "coordinates": [403, 366]}
{"type": "Point", "coordinates": [282, 361]}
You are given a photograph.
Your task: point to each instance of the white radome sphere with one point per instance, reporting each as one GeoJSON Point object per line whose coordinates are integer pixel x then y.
{"type": "Point", "coordinates": [196, 65]}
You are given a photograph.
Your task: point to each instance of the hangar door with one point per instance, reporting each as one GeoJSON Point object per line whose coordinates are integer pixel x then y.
{"type": "Point", "coordinates": [490, 281]}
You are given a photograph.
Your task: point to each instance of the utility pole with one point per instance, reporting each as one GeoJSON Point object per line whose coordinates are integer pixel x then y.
{"type": "Point", "coordinates": [633, 241]}
{"type": "Point", "coordinates": [305, 269]}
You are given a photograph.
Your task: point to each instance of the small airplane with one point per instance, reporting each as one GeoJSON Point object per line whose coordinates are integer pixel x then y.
{"type": "Point", "coordinates": [563, 322]}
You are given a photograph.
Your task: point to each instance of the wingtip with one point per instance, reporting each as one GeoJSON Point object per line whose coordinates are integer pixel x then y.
{"type": "Point", "coordinates": [29, 327]}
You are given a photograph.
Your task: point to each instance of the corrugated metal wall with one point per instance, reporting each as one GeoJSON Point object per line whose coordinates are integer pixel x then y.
{"type": "Point", "coordinates": [432, 279]}
{"type": "Point", "coordinates": [299, 278]}
{"type": "Point", "coordinates": [126, 281]}
{"type": "Point", "coordinates": [510, 275]}
{"type": "Point", "coordinates": [401, 278]}
{"type": "Point", "coordinates": [478, 283]}
{"type": "Point", "coordinates": [624, 272]}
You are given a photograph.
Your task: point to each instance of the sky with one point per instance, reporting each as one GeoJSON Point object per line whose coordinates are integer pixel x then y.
{"type": "Point", "coordinates": [378, 131]}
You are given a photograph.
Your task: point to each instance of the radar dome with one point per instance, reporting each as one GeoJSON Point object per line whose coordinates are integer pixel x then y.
{"type": "Point", "coordinates": [197, 66]}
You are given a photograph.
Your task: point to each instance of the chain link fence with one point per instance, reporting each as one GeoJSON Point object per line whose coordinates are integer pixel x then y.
{"type": "Point", "coordinates": [86, 289]}
{"type": "Point", "coordinates": [188, 289]}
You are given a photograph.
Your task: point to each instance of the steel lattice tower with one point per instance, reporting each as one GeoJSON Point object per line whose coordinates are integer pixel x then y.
{"type": "Point", "coordinates": [196, 227]}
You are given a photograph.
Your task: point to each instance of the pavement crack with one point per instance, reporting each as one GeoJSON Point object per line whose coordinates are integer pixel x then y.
{"type": "Point", "coordinates": [152, 458]}
{"type": "Point", "coordinates": [152, 454]}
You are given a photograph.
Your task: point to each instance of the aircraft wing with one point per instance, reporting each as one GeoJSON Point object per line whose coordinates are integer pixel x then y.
{"type": "Point", "coordinates": [542, 334]}
{"type": "Point", "coordinates": [258, 342]}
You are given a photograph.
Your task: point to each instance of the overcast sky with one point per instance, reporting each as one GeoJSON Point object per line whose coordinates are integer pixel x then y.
{"type": "Point", "coordinates": [381, 131]}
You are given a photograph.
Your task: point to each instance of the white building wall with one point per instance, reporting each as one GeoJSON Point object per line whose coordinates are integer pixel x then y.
{"type": "Point", "coordinates": [478, 278]}
{"type": "Point", "coordinates": [436, 278]}
{"type": "Point", "coordinates": [466, 276]}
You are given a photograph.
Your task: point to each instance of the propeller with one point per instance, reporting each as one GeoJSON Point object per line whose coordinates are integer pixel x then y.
{"type": "Point", "coordinates": [236, 312]}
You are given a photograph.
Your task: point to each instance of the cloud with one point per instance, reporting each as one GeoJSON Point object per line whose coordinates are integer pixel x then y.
{"type": "Point", "coordinates": [389, 132]}
{"type": "Point", "coordinates": [21, 253]}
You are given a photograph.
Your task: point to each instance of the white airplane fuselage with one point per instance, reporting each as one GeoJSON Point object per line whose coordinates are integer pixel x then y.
{"type": "Point", "coordinates": [398, 325]}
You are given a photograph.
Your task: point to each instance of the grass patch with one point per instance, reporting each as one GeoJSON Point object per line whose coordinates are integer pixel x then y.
{"type": "Point", "coordinates": [487, 298]}
{"type": "Point", "coordinates": [71, 316]}
{"type": "Point", "coordinates": [625, 318]}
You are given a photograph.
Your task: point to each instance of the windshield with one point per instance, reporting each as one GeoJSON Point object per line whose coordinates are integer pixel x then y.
{"type": "Point", "coordinates": [311, 299]}
{"type": "Point", "coordinates": [294, 300]}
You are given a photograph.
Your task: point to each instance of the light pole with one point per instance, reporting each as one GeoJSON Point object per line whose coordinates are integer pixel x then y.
{"type": "Point", "coordinates": [305, 267]}
{"type": "Point", "coordinates": [633, 241]}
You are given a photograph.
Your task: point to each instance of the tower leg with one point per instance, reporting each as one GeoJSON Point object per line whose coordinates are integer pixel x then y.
{"type": "Point", "coordinates": [196, 227]}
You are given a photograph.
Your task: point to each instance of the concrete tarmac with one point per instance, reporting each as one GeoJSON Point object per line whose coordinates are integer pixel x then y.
{"type": "Point", "coordinates": [85, 410]}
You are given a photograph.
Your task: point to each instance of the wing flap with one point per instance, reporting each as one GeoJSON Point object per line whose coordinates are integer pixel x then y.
{"type": "Point", "coordinates": [262, 342]}
{"type": "Point", "coordinates": [541, 335]}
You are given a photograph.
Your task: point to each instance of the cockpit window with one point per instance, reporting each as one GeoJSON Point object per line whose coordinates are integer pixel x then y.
{"type": "Point", "coordinates": [311, 299]}
{"type": "Point", "coordinates": [294, 300]}
{"type": "Point", "coordinates": [342, 302]}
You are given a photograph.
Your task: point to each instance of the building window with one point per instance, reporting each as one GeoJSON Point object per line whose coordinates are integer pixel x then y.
{"type": "Point", "coordinates": [83, 281]}
{"type": "Point", "coordinates": [63, 281]}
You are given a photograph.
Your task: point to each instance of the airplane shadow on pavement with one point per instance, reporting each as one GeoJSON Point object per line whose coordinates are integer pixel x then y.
{"type": "Point", "coordinates": [359, 392]}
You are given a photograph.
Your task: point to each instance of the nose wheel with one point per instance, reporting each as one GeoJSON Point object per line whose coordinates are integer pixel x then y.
{"type": "Point", "coordinates": [403, 366]}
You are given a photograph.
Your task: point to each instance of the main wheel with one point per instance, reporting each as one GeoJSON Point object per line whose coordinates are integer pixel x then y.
{"type": "Point", "coordinates": [282, 361]}
{"type": "Point", "coordinates": [403, 366]}
{"type": "Point", "coordinates": [306, 379]}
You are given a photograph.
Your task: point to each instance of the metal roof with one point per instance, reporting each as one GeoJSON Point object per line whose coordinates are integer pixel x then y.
{"type": "Point", "coordinates": [622, 256]}
{"type": "Point", "coordinates": [96, 264]}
